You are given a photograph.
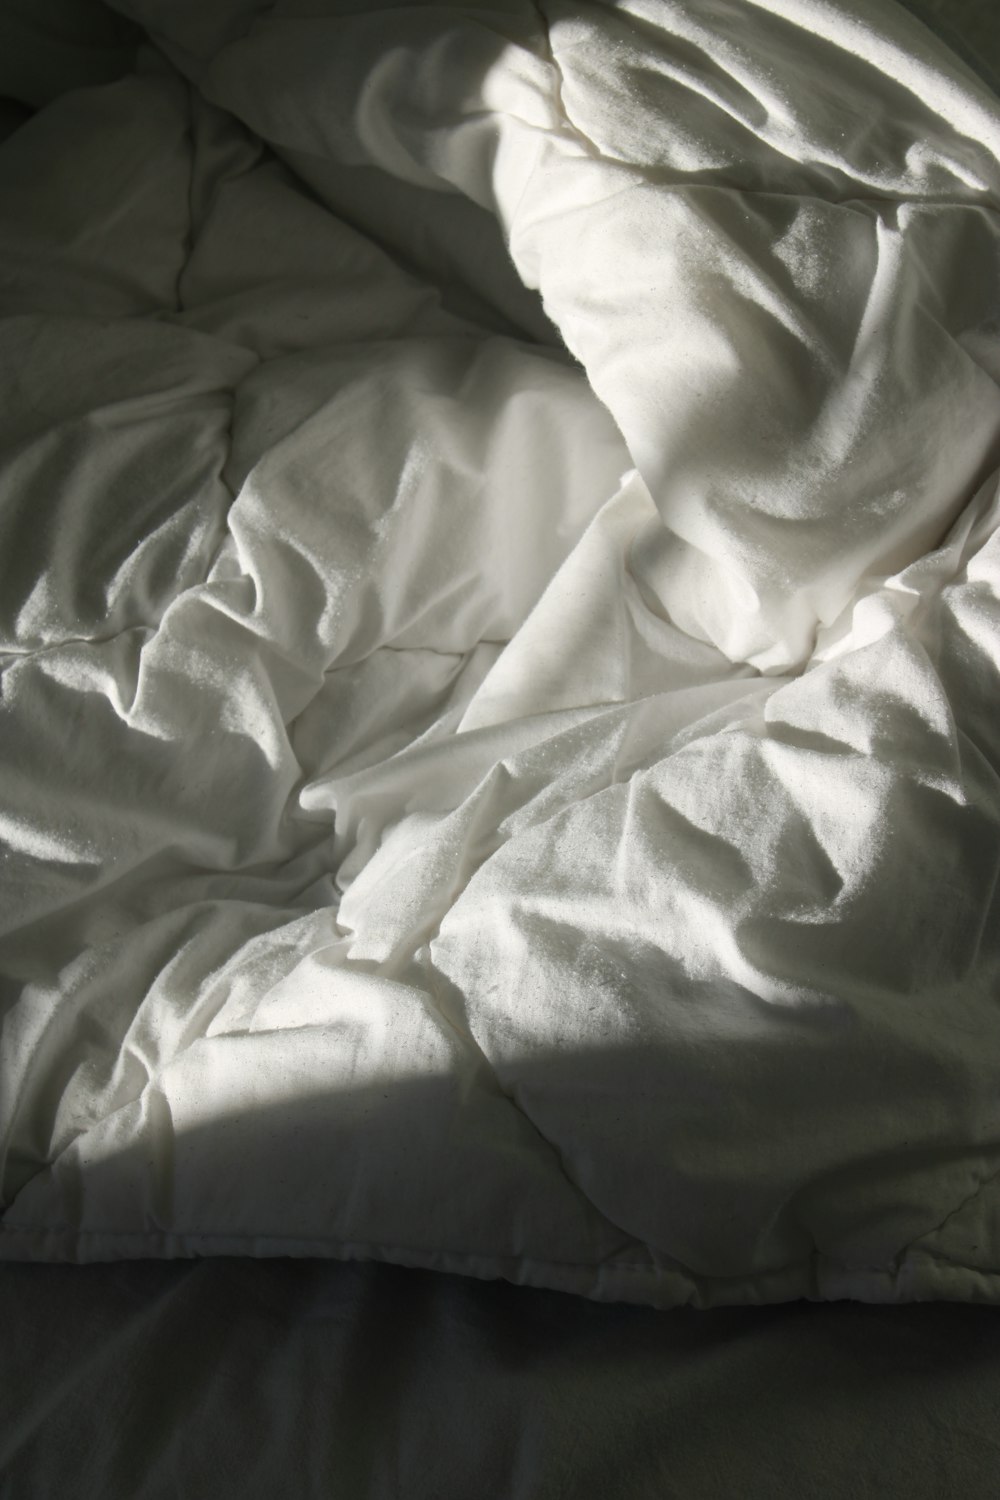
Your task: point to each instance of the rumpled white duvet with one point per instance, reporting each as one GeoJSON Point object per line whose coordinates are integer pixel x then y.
{"type": "Point", "coordinates": [500, 593]}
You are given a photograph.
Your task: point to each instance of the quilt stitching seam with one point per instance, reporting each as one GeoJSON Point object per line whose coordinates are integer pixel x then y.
{"type": "Point", "coordinates": [977, 1192]}
{"type": "Point", "coordinates": [651, 1269]}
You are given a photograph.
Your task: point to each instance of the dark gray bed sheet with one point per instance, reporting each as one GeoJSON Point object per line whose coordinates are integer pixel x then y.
{"type": "Point", "coordinates": [302, 1379]}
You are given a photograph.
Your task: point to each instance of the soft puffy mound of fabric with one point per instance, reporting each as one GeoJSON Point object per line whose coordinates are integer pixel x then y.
{"type": "Point", "coordinates": [499, 572]}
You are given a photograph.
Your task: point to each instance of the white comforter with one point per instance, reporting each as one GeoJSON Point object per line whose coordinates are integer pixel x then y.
{"type": "Point", "coordinates": [499, 572]}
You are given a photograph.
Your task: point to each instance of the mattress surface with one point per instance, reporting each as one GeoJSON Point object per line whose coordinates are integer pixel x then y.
{"type": "Point", "coordinates": [498, 582]}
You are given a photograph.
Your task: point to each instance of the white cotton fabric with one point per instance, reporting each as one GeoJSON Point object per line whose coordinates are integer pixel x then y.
{"type": "Point", "coordinates": [499, 574]}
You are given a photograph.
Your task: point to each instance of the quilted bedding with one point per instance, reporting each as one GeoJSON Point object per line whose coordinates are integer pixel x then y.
{"type": "Point", "coordinates": [499, 573]}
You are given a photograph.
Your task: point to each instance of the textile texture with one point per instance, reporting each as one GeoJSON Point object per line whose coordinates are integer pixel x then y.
{"type": "Point", "coordinates": [499, 574]}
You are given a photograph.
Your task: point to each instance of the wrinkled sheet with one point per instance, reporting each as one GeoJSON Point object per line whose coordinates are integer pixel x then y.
{"type": "Point", "coordinates": [498, 576]}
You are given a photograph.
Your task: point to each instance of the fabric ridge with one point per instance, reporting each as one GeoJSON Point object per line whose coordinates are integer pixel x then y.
{"type": "Point", "coordinates": [500, 608]}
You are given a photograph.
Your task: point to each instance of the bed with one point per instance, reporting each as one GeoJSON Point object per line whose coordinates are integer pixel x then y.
{"type": "Point", "coordinates": [500, 803]}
